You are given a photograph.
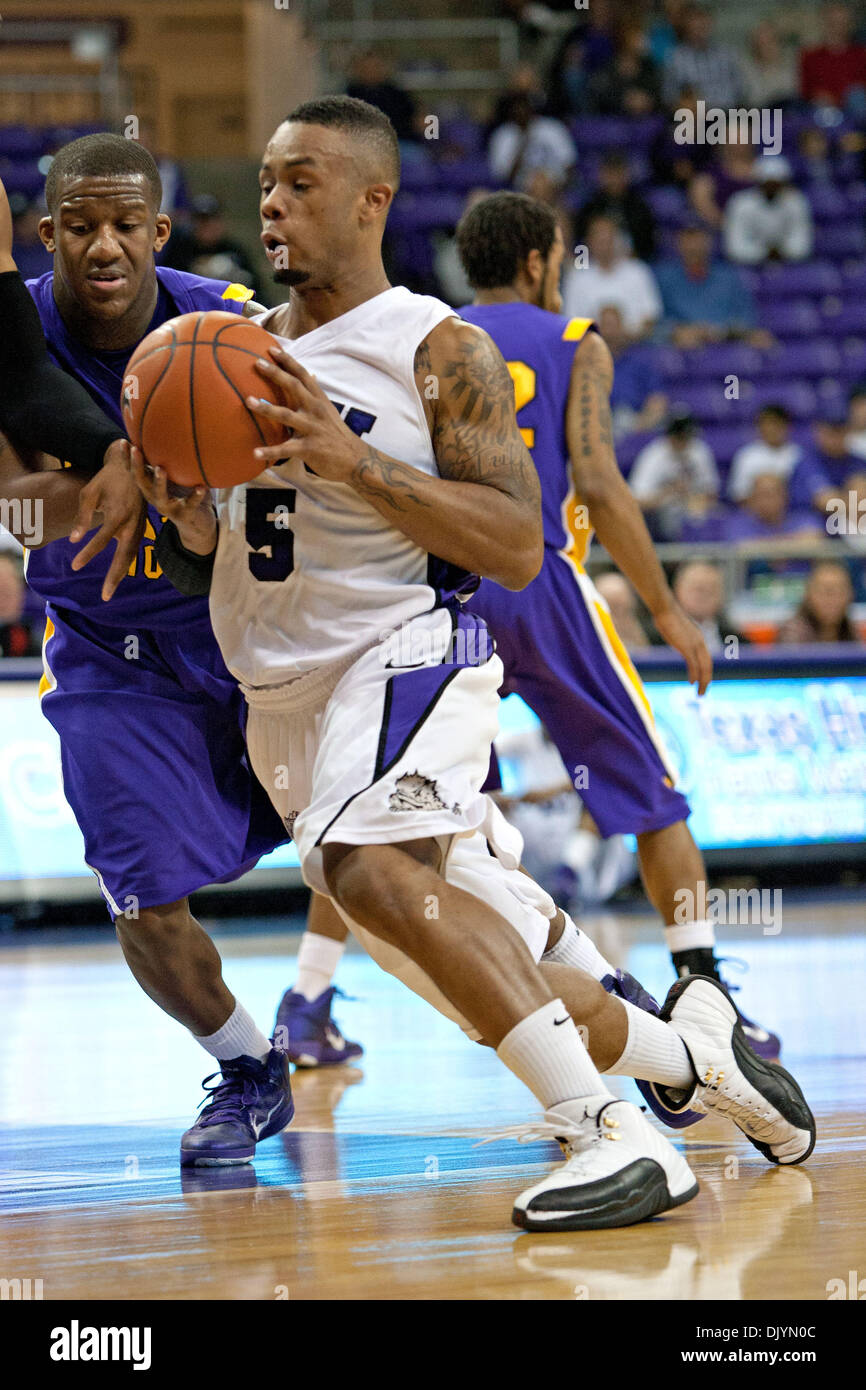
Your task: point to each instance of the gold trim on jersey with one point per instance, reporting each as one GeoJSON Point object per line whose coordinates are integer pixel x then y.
{"type": "Point", "coordinates": [47, 680]}
{"type": "Point", "coordinates": [575, 329]}
{"type": "Point", "coordinates": [236, 291]}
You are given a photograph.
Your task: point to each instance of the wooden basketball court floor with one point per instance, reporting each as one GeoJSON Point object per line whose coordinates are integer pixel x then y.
{"type": "Point", "coordinates": [378, 1190]}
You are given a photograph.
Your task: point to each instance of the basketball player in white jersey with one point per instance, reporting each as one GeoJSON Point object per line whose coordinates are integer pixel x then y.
{"type": "Point", "coordinates": [335, 579]}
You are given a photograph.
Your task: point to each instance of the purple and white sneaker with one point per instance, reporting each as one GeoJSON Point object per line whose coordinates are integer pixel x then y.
{"type": "Point", "coordinates": [660, 1102]}
{"type": "Point", "coordinates": [309, 1035]}
{"type": "Point", "coordinates": [252, 1101]}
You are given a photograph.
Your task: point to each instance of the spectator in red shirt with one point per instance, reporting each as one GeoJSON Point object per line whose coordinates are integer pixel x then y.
{"type": "Point", "coordinates": [16, 636]}
{"type": "Point", "coordinates": [828, 72]}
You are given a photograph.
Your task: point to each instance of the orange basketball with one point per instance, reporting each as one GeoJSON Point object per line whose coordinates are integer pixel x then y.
{"type": "Point", "coordinates": [184, 398]}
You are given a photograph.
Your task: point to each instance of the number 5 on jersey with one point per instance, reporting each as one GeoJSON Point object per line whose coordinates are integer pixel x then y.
{"type": "Point", "coordinates": [268, 529]}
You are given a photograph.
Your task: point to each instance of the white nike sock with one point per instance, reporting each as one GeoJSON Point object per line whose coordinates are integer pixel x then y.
{"type": "Point", "coordinates": [238, 1037]}
{"type": "Point", "coordinates": [546, 1052]}
{"type": "Point", "coordinates": [691, 936]}
{"type": "Point", "coordinates": [653, 1051]}
{"type": "Point", "coordinates": [575, 948]}
{"type": "Point", "coordinates": [318, 958]}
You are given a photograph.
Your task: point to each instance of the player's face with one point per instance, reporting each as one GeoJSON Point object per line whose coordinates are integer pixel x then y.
{"type": "Point", "coordinates": [315, 203]}
{"type": "Point", "coordinates": [550, 297]}
{"type": "Point", "coordinates": [104, 234]}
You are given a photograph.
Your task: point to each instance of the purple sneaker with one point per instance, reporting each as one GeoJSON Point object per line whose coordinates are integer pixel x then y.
{"type": "Point", "coordinates": [309, 1035]}
{"type": "Point", "coordinates": [252, 1101]}
{"type": "Point", "coordinates": [660, 1101]}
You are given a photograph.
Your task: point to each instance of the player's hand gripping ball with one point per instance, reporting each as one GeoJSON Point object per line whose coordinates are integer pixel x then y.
{"type": "Point", "coordinates": [184, 399]}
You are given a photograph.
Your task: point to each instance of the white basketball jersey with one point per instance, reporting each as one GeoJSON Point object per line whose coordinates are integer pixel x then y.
{"type": "Point", "coordinates": [306, 571]}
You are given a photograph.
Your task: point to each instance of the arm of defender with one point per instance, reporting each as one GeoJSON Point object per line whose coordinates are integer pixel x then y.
{"type": "Point", "coordinates": [612, 508]}
{"type": "Point", "coordinates": [483, 512]}
{"type": "Point", "coordinates": [53, 495]}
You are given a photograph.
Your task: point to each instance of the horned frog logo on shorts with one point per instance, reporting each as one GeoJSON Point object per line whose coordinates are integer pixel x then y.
{"type": "Point", "coordinates": [414, 792]}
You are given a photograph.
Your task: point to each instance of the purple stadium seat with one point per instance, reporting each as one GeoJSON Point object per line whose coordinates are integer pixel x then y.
{"type": "Point", "coordinates": [798, 278]}
{"type": "Point", "coordinates": [55, 136]}
{"type": "Point", "coordinates": [827, 202]}
{"type": "Point", "coordinates": [667, 204]}
{"type": "Point", "coordinates": [420, 174]}
{"type": "Point", "coordinates": [465, 174]}
{"type": "Point", "coordinates": [808, 357]}
{"type": "Point", "coordinates": [723, 359]}
{"type": "Point", "coordinates": [844, 319]}
{"type": "Point", "coordinates": [671, 363]}
{"type": "Point", "coordinates": [463, 134]}
{"type": "Point", "coordinates": [853, 274]}
{"type": "Point", "coordinates": [420, 211]}
{"type": "Point", "coordinates": [20, 142]}
{"type": "Point", "coordinates": [853, 354]}
{"type": "Point", "coordinates": [22, 178]}
{"type": "Point", "coordinates": [792, 318]}
{"type": "Point", "coordinates": [798, 397]}
{"type": "Point", "coordinates": [725, 440]}
{"type": "Point", "coordinates": [602, 133]}
{"type": "Point", "coordinates": [627, 449]}
{"type": "Point", "coordinates": [708, 403]}
{"type": "Point", "coordinates": [835, 240]}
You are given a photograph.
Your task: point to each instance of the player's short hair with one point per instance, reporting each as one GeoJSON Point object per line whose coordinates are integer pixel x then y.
{"type": "Point", "coordinates": [360, 120]}
{"type": "Point", "coordinates": [495, 237]}
{"type": "Point", "coordinates": [102, 155]}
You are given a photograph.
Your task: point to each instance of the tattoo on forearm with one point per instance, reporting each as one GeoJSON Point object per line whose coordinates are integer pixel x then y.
{"type": "Point", "coordinates": [379, 478]}
{"type": "Point", "coordinates": [475, 434]}
{"type": "Point", "coordinates": [595, 428]}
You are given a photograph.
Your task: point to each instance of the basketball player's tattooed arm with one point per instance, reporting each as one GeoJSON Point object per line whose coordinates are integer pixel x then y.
{"type": "Point", "coordinates": [613, 510]}
{"type": "Point", "coordinates": [483, 513]}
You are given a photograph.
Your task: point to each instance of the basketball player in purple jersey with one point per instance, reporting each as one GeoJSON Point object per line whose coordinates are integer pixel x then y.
{"type": "Point", "coordinates": [149, 719]}
{"type": "Point", "coordinates": [559, 647]}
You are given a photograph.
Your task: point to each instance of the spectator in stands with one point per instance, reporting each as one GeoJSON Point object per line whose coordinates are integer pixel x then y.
{"type": "Point", "coordinates": [823, 615]}
{"type": "Point", "coordinates": [698, 61]}
{"type": "Point", "coordinates": [621, 599]}
{"type": "Point", "coordinates": [855, 439]}
{"type": "Point", "coordinates": [371, 80]}
{"type": "Point", "coordinates": [637, 400]}
{"type": "Point", "coordinates": [207, 249]}
{"type": "Point", "coordinates": [699, 588]}
{"type": "Point", "coordinates": [665, 30]}
{"type": "Point", "coordinates": [705, 300]}
{"type": "Point", "coordinates": [774, 451]}
{"type": "Point", "coordinates": [674, 163]}
{"type": "Point", "coordinates": [31, 257]}
{"type": "Point", "coordinates": [770, 74]}
{"type": "Point", "coordinates": [766, 516]}
{"type": "Point", "coordinates": [17, 637]}
{"type": "Point", "coordinates": [835, 460]}
{"type": "Point", "coordinates": [813, 151]}
{"type": "Point", "coordinates": [617, 197]}
{"type": "Point", "coordinates": [526, 144]}
{"type": "Point", "coordinates": [837, 66]}
{"type": "Point", "coordinates": [711, 189]}
{"type": "Point", "coordinates": [674, 477]}
{"type": "Point", "coordinates": [770, 222]}
{"type": "Point", "coordinates": [629, 84]}
{"type": "Point", "coordinates": [524, 80]}
{"type": "Point", "coordinates": [605, 274]}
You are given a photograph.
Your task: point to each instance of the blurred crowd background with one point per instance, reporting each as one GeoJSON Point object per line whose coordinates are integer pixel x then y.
{"type": "Point", "coordinates": [727, 278]}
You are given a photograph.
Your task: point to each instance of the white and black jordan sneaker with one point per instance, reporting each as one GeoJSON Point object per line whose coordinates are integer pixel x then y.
{"type": "Point", "coordinates": [761, 1097]}
{"type": "Point", "coordinates": [619, 1170]}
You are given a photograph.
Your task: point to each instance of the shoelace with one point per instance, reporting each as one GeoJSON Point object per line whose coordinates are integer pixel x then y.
{"type": "Point", "coordinates": [228, 1099]}
{"type": "Point", "coordinates": [578, 1137]}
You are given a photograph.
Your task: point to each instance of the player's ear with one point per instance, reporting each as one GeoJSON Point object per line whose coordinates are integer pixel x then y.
{"type": "Point", "coordinates": [377, 200]}
{"type": "Point", "coordinates": [163, 230]}
{"type": "Point", "coordinates": [46, 233]}
{"type": "Point", "coordinates": [535, 265]}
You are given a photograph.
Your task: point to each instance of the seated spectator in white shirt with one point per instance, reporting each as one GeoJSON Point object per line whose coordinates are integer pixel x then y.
{"type": "Point", "coordinates": [675, 477]}
{"type": "Point", "coordinates": [699, 588]}
{"type": "Point", "coordinates": [526, 144]}
{"type": "Point", "coordinates": [775, 452]}
{"type": "Point", "coordinates": [772, 221]}
{"type": "Point", "coordinates": [604, 274]}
